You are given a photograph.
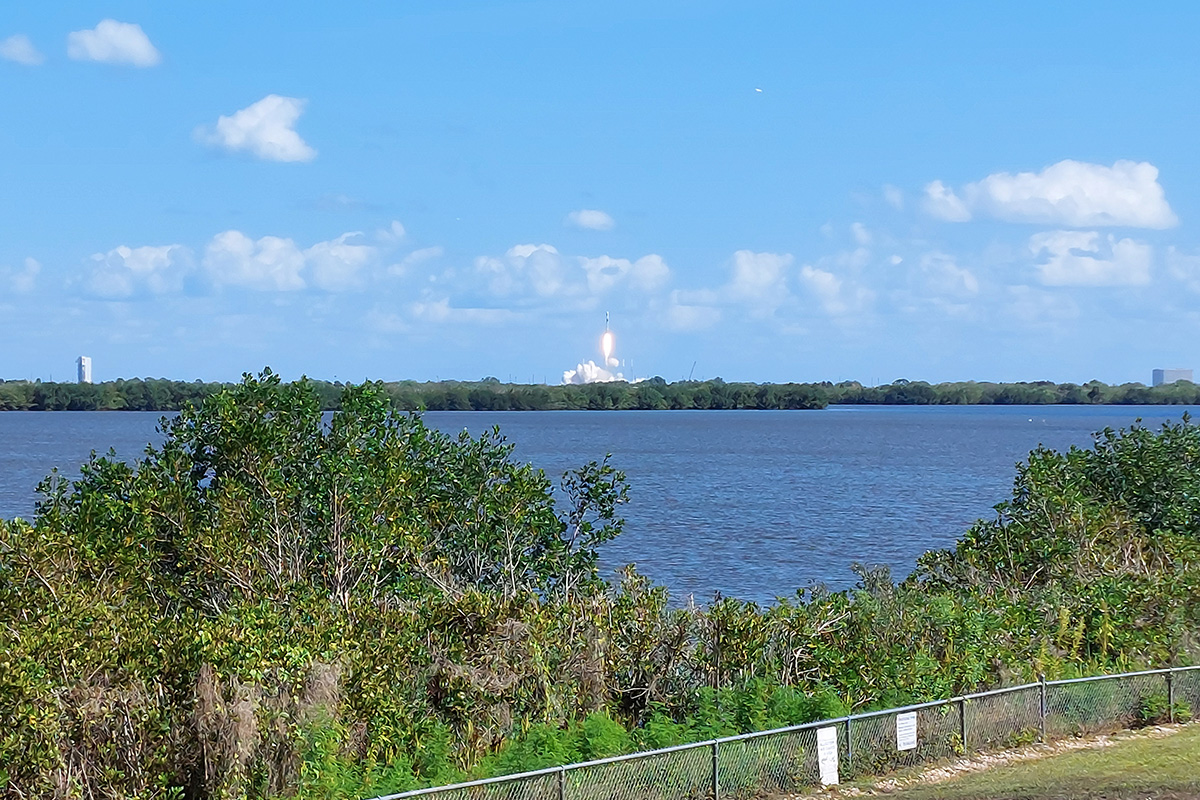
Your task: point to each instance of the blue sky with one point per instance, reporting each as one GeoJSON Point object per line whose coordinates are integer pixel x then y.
{"type": "Point", "coordinates": [771, 191]}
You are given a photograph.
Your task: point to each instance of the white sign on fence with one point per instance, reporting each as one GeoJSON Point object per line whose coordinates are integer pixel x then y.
{"type": "Point", "coordinates": [906, 731]}
{"type": "Point", "coordinates": [827, 755]}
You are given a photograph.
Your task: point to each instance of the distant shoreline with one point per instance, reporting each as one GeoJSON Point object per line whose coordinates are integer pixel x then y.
{"type": "Point", "coordinates": [655, 394]}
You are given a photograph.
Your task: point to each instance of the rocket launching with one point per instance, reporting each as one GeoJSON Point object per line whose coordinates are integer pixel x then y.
{"type": "Point", "coordinates": [590, 371]}
{"type": "Point", "coordinates": [606, 344]}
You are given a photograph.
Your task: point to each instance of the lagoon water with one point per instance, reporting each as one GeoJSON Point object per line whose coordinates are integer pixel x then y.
{"type": "Point", "coordinates": [753, 504]}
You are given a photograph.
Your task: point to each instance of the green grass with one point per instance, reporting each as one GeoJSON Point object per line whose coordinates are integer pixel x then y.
{"type": "Point", "coordinates": [1139, 767]}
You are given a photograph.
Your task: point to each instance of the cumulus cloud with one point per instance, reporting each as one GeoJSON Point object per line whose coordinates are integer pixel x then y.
{"type": "Point", "coordinates": [113, 42]}
{"type": "Point", "coordinates": [416, 257]}
{"type": "Point", "coordinates": [835, 296]}
{"type": "Point", "coordinates": [20, 280]}
{"type": "Point", "coordinates": [759, 279]}
{"type": "Point", "coordinates": [1085, 258]}
{"type": "Point", "coordinates": [757, 284]}
{"type": "Point", "coordinates": [265, 129]}
{"type": "Point", "coordinates": [530, 276]}
{"type": "Point", "coordinates": [940, 275]}
{"type": "Point", "coordinates": [270, 263]}
{"type": "Point", "coordinates": [277, 264]}
{"type": "Point", "coordinates": [648, 274]}
{"type": "Point", "coordinates": [590, 219]}
{"type": "Point", "coordinates": [943, 203]}
{"type": "Point", "coordinates": [1070, 193]}
{"type": "Point", "coordinates": [124, 272]}
{"type": "Point", "coordinates": [335, 265]}
{"type": "Point", "coordinates": [20, 49]}
{"type": "Point", "coordinates": [524, 268]}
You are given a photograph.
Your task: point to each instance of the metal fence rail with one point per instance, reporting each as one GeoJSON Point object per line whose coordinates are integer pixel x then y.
{"type": "Point", "coordinates": [788, 759]}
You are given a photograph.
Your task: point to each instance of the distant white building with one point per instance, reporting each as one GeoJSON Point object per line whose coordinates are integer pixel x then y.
{"type": "Point", "coordinates": [84, 363]}
{"type": "Point", "coordinates": [1161, 376]}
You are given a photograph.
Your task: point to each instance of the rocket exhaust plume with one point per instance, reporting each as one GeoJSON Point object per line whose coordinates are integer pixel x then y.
{"type": "Point", "coordinates": [606, 344]}
{"type": "Point", "coordinates": [591, 372]}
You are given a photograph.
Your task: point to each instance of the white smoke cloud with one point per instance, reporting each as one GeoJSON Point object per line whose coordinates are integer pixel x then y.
{"type": "Point", "coordinates": [590, 372]}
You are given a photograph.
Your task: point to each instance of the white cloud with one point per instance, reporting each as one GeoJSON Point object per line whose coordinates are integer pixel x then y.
{"type": "Point", "coordinates": [648, 274]}
{"type": "Point", "coordinates": [440, 311]}
{"type": "Point", "coordinates": [826, 286]}
{"type": "Point", "coordinates": [1084, 258]}
{"type": "Point", "coordinates": [760, 278]}
{"type": "Point", "coordinates": [525, 267]}
{"type": "Point", "coordinates": [20, 281]}
{"type": "Point", "coordinates": [941, 276]}
{"type": "Point", "coordinates": [590, 219]}
{"type": "Point", "coordinates": [127, 271]}
{"type": "Point", "coordinates": [392, 233]}
{"type": "Point", "coordinates": [114, 43]}
{"type": "Point", "coordinates": [335, 265]}
{"type": "Point", "coordinates": [18, 48]}
{"type": "Point", "coordinates": [266, 129]}
{"type": "Point", "coordinates": [416, 257]}
{"type": "Point", "coordinates": [271, 263]}
{"type": "Point", "coordinates": [943, 203]}
{"type": "Point", "coordinates": [1069, 193]}
{"type": "Point", "coordinates": [837, 298]}
{"type": "Point", "coordinates": [758, 283]}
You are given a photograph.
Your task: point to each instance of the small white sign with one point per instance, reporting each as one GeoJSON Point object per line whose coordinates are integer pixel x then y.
{"type": "Point", "coordinates": [906, 731]}
{"type": "Point", "coordinates": [827, 755]}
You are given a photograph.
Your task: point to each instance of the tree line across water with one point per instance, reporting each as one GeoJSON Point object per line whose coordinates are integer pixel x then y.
{"type": "Point", "coordinates": [654, 394]}
{"type": "Point", "coordinates": [273, 604]}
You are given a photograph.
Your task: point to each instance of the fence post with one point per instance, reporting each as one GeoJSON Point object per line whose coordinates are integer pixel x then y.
{"type": "Point", "coordinates": [716, 771]}
{"type": "Point", "coordinates": [849, 746]}
{"type": "Point", "coordinates": [1042, 714]}
{"type": "Point", "coordinates": [962, 723]}
{"type": "Point", "coordinates": [1171, 695]}
{"type": "Point", "coordinates": [562, 783]}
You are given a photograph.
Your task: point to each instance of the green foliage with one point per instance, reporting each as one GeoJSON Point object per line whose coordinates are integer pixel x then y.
{"type": "Point", "coordinates": [272, 604]}
{"type": "Point", "coordinates": [656, 394]}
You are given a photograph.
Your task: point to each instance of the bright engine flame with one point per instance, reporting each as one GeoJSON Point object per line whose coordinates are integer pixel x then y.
{"type": "Point", "coordinates": [606, 345]}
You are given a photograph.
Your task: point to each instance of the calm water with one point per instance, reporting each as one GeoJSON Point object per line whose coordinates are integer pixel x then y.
{"type": "Point", "coordinates": [753, 504]}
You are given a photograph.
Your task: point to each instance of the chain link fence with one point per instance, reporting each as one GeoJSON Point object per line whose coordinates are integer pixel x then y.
{"type": "Point", "coordinates": [792, 759]}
